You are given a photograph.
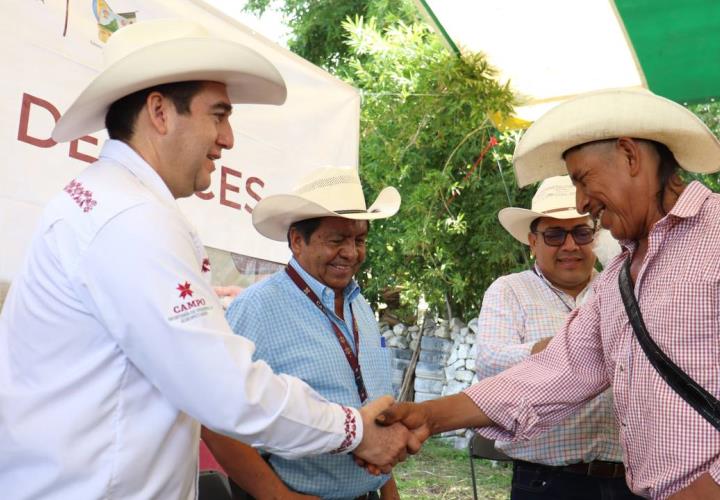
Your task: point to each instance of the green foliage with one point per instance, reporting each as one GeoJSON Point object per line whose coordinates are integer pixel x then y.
{"type": "Point", "coordinates": [317, 32]}
{"type": "Point", "coordinates": [710, 114]}
{"type": "Point", "coordinates": [423, 125]}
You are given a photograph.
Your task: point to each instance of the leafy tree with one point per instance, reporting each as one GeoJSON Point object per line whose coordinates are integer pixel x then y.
{"type": "Point", "coordinates": [424, 129]}
{"type": "Point", "coordinates": [317, 31]}
{"type": "Point", "coordinates": [424, 125]}
{"type": "Point", "coordinates": [709, 113]}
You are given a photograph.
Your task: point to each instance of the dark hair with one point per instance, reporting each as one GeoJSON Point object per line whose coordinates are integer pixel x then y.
{"type": "Point", "coordinates": [305, 227]}
{"type": "Point", "coordinates": [667, 168]}
{"type": "Point", "coordinates": [534, 224]}
{"type": "Point", "coordinates": [121, 116]}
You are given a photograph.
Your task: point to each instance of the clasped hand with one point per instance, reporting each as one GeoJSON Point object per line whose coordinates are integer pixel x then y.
{"type": "Point", "coordinates": [385, 445]}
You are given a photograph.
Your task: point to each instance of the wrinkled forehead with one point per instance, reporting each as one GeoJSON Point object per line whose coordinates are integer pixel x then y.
{"type": "Point", "coordinates": [343, 226]}
{"type": "Point", "coordinates": [603, 145]}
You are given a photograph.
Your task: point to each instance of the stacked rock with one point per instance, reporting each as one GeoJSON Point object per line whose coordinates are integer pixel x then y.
{"type": "Point", "coordinates": [446, 363]}
{"type": "Point", "coordinates": [460, 373]}
{"type": "Point", "coordinates": [435, 347]}
{"type": "Point", "coordinates": [398, 339]}
{"type": "Point", "coordinates": [460, 366]}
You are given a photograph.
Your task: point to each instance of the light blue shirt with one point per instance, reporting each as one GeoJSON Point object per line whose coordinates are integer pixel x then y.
{"type": "Point", "coordinates": [295, 337]}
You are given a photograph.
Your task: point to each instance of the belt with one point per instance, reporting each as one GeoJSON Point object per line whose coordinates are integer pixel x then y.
{"type": "Point", "coordinates": [596, 468]}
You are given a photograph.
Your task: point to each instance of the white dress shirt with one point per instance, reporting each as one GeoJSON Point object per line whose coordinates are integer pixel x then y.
{"type": "Point", "coordinates": [113, 346]}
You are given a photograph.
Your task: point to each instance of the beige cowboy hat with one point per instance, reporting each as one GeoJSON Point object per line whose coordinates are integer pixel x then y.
{"type": "Point", "coordinates": [607, 115]}
{"type": "Point", "coordinates": [161, 51]}
{"type": "Point", "coordinates": [325, 192]}
{"type": "Point", "coordinates": [554, 198]}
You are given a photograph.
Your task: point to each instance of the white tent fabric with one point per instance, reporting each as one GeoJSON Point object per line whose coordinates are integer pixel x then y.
{"type": "Point", "coordinates": [45, 65]}
{"type": "Point", "coordinates": [548, 50]}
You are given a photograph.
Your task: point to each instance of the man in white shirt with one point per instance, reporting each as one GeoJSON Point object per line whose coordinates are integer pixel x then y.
{"type": "Point", "coordinates": [113, 345]}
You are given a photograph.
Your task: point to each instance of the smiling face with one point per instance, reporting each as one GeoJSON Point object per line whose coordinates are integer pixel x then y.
{"type": "Point", "coordinates": [334, 252]}
{"type": "Point", "coordinates": [196, 139]}
{"type": "Point", "coordinates": [616, 183]}
{"type": "Point", "coordinates": [568, 266]}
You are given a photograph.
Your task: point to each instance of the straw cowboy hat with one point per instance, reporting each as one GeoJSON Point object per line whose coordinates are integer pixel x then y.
{"type": "Point", "coordinates": [161, 51]}
{"type": "Point", "coordinates": [555, 198]}
{"type": "Point", "coordinates": [607, 115]}
{"type": "Point", "coordinates": [325, 192]}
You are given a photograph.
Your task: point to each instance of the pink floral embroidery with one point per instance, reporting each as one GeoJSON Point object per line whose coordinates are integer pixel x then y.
{"type": "Point", "coordinates": [350, 431]}
{"type": "Point", "coordinates": [80, 195]}
{"type": "Point", "coordinates": [205, 265]}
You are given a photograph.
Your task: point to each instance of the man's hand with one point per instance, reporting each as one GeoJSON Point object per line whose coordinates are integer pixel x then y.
{"type": "Point", "coordinates": [435, 416]}
{"type": "Point", "coordinates": [414, 416]}
{"type": "Point", "coordinates": [540, 345]}
{"type": "Point", "coordinates": [245, 466]}
{"type": "Point", "coordinates": [703, 488]}
{"type": "Point", "coordinates": [226, 294]}
{"type": "Point", "coordinates": [384, 446]}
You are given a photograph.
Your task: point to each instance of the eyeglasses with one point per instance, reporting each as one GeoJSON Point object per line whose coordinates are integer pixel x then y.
{"type": "Point", "coordinates": [555, 236]}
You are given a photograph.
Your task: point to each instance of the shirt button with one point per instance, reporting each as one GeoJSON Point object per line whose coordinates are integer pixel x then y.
{"type": "Point", "coordinates": [620, 367]}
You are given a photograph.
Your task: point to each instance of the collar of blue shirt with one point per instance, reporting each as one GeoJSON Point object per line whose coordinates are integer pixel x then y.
{"type": "Point", "coordinates": [326, 294]}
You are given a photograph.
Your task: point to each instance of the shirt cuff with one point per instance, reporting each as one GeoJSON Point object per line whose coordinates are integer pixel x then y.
{"type": "Point", "coordinates": [352, 431]}
{"type": "Point", "coordinates": [512, 421]}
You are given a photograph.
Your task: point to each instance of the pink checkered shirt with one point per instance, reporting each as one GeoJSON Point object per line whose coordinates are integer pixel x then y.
{"type": "Point", "coordinates": [518, 310]}
{"type": "Point", "coordinates": [666, 444]}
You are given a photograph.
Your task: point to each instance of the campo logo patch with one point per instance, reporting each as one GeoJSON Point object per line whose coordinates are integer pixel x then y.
{"type": "Point", "coordinates": [188, 309]}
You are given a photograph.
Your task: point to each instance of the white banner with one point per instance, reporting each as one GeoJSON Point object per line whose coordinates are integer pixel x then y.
{"type": "Point", "coordinates": [51, 49]}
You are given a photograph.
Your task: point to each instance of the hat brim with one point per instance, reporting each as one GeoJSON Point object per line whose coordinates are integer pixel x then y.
{"type": "Point", "coordinates": [272, 216]}
{"type": "Point", "coordinates": [249, 77]}
{"type": "Point", "coordinates": [609, 115]}
{"type": "Point", "coordinates": [516, 221]}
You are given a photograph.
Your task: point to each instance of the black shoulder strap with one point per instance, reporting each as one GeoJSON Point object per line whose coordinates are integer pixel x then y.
{"type": "Point", "coordinates": [702, 401]}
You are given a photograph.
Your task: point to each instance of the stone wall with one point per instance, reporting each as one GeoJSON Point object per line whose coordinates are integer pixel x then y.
{"type": "Point", "coordinates": [446, 362]}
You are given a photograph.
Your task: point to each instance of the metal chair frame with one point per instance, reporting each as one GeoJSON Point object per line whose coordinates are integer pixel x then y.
{"type": "Point", "coordinates": [481, 447]}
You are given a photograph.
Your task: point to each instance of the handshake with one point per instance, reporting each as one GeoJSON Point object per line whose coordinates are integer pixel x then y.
{"type": "Point", "coordinates": [391, 431]}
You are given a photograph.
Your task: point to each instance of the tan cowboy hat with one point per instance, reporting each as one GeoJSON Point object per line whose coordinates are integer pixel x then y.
{"type": "Point", "coordinates": [325, 192]}
{"type": "Point", "coordinates": [607, 115]}
{"type": "Point", "coordinates": [555, 198]}
{"type": "Point", "coordinates": [161, 51]}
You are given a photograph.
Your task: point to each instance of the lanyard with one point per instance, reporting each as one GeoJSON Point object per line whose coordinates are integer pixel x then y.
{"type": "Point", "coordinates": [352, 358]}
{"type": "Point", "coordinates": [552, 289]}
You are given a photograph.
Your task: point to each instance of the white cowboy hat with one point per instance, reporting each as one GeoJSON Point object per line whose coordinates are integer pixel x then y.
{"type": "Point", "coordinates": [161, 51]}
{"type": "Point", "coordinates": [325, 192]}
{"type": "Point", "coordinates": [555, 198]}
{"type": "Point", "coordinates": [607, 115]}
